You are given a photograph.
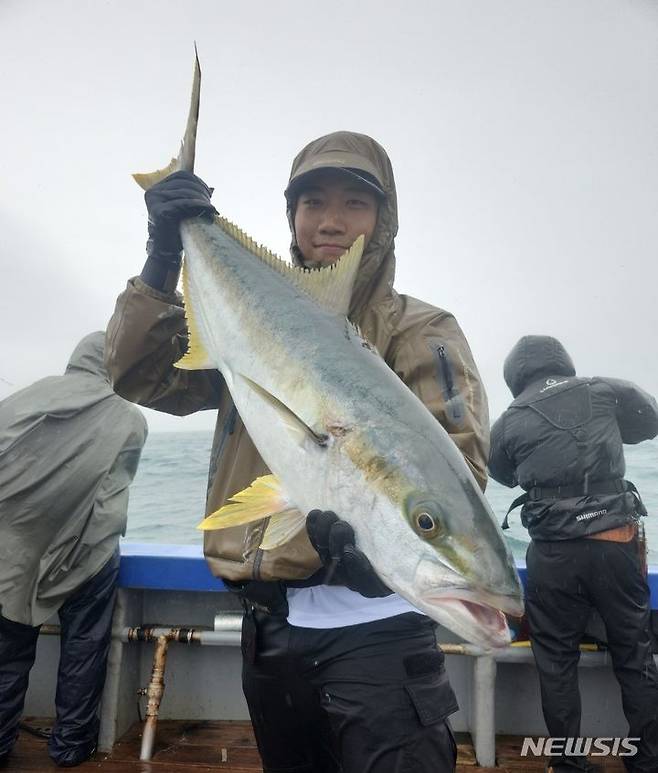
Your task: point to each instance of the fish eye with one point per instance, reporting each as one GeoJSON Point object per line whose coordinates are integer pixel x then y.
{"type": "Point", "coordinates": [426, 519]}
{"type": "Point", "coordinates": [425, 515]}
{"type": "Point", "coordinates": [425, 522]}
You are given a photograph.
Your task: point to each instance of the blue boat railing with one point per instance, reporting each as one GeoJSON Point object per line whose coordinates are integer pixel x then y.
{"type": "Point", "coordinates": [156, 566]}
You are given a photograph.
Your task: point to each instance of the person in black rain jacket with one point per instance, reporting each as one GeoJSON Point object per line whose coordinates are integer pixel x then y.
{"type": "Point", "coordinates": [562, 440]}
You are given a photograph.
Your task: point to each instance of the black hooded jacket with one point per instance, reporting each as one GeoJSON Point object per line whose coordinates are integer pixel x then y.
{"type": "Point", "coordinates": [565, 431]}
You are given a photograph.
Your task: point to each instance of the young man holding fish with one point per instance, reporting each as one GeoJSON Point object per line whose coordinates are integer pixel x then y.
{"type": "Point", "coordinates": [340, 673]}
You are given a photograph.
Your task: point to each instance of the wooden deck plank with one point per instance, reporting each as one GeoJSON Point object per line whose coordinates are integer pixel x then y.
{"type": "Point", "coordinates": [201, 732]}
{"type": "Point", "coordinates": [229, 747]}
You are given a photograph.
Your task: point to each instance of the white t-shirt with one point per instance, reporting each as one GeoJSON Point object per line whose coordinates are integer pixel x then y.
{"type": "Point", "coordinates": [335, 606]}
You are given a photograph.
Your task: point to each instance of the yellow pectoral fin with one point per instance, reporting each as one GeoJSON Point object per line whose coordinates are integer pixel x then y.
{"type": "Point", "coordinates": [264, 498]}
{"type": "Point", "coordinates": [196, 357]}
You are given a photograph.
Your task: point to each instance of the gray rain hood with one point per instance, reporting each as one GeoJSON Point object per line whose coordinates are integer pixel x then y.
{"type": "Point", "coordinates": [358, 152]}
{"type": "Point", "coordinates": [535, 356]}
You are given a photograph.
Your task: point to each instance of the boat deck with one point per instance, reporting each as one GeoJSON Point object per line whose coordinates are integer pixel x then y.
{"type": "Point", "coordinates": [196, 747]}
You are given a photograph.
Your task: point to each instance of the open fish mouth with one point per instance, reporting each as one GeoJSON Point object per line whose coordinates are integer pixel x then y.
{"type": "Point", "coordinates": [479, 616]}
{"type": "Point", "coordinates": [490, 621]}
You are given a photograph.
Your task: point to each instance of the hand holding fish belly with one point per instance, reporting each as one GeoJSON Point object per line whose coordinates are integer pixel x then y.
{"type": "Point", "coordinates": [337, 427]}
{"type": "Point", "coordinates": [334, 539]}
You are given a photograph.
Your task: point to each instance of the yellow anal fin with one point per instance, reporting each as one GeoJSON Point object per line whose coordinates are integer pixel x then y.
{"type": "Point", "coordinates": [263, 499]}
{"type": "Point", "coordinates": [196, 357]}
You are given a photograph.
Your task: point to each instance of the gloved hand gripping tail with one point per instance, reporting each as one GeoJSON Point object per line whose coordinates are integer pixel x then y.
{"type": "Point", "coordinates": [179, 196]}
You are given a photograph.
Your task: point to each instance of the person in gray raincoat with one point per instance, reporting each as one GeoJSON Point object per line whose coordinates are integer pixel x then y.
{"type": "Point", "coordinates": [69, 448]}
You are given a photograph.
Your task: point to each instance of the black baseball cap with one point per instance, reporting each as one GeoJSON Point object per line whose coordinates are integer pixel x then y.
{"type": "Point", "coordinates": [362, 176]}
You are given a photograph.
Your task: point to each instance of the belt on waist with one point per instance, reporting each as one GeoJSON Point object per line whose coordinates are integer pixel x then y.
{"type": "Point", "coordinates": [620, 534]}
{"type": "Point", "coordinates": [615, 486]}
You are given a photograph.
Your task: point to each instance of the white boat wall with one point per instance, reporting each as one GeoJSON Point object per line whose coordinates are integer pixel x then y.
{"type": "Point", "coordinates": [170, 586]}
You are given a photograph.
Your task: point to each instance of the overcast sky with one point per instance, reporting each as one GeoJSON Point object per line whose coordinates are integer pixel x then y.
{"type": "Point", "coordinates": [523, 135]}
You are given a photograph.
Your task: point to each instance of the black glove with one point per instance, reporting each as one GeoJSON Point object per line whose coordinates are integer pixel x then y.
{"type": "Point", "coordinates": [179, 196]}
{"type": "Point", "coordinates": [333, 538]}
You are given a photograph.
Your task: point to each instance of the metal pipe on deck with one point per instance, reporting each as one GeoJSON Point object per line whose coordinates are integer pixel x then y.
{"type": "Point", "coordinates": [203, 637]}
{"type": "Point", "coordinates": [154, 692]}
{"type": "Point", "coordinates": [230, 626]}
{"type": "Point", "coordinates": [227, 633]}
{"type": "Point", "coordinates": [483, 703]}
{"type": "Point", "coordinates": [521, 652]}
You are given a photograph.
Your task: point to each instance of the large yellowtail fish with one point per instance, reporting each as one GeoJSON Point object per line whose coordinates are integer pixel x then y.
{"type": "Point", "coordinates": [335, 425]}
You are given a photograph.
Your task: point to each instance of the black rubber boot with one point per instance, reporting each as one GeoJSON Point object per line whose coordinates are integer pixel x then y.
{"type": "Point", "coordinates": [74, 757]}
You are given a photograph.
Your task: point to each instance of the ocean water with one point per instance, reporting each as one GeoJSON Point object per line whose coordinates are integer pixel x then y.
{"type": "Point", "coordinates": [167, 497]}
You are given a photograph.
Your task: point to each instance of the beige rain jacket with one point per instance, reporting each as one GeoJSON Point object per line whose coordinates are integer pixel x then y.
{"type": "Point", "coordinates": [422, 344]}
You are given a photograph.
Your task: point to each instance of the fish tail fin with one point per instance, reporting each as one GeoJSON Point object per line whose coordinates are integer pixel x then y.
{"type": "Point", "coordinates": [185, 159]}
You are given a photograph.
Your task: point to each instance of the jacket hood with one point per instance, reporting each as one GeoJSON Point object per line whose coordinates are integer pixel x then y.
{"type": "Point", "coordinates": [535, 356]}
{"type": "Point", "coordinates": [349, 150]}
{"type": "Point", "coordinates": [87, 356]}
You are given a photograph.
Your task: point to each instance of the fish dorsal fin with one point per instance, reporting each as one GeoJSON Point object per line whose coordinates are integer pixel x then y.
{"type": "Point", "coordinates": [296, 425]}
{"type": "Point", "coordinates": [264, 498]}
{"type": "Point", "coordinates": [331, 287]}
{"type": "Point", "coordinates": [196, 357]}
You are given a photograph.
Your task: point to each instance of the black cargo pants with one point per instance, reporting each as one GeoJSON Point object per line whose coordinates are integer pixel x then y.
{"type": "Point", "coordinates": [565, 580]}
{"type": "Point", "coordinates": [367, 698]}
{"type": "Point", "coordinates": [86, 622]}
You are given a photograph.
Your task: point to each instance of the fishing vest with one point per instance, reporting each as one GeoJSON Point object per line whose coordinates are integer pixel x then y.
{"type": "Point", "coordinates": [564, 437]}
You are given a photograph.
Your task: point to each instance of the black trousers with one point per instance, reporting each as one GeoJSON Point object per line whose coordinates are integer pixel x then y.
{"type": "Point", "coordinates": [368, 698]}
{"type": "Point", "coordinates": [86, 622]}
{"type": "Point", "coordinates": [565, 581]}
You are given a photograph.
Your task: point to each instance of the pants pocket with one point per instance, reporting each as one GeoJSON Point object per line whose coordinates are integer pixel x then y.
{"type": "Point", "coordinates": [432, 697]}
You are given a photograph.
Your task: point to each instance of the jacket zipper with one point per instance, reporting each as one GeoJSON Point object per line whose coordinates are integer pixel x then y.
{"type": "Point", "coordinates": [452, 397]}
{"type": "Point", "coordinates": [445, 367]}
